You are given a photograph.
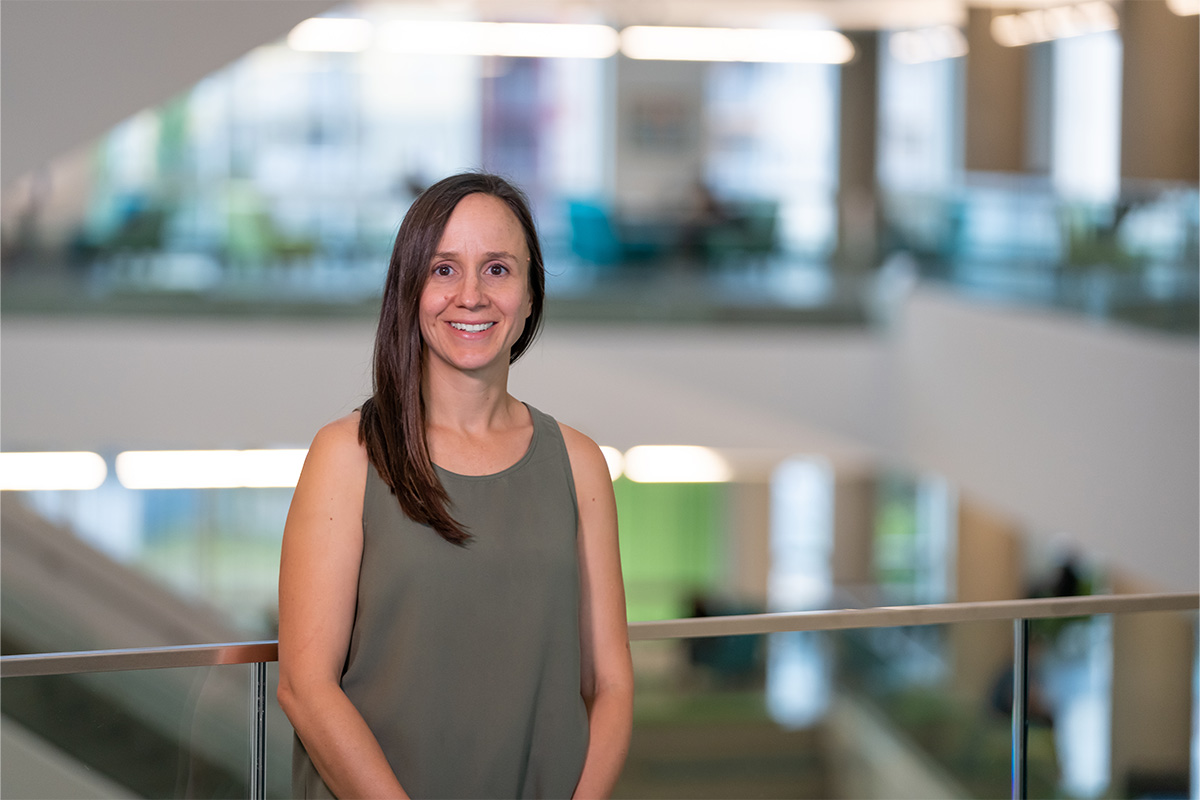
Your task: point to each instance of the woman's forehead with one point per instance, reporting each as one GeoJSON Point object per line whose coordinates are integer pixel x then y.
{"type": "Point", "coordinates": [483, 224]}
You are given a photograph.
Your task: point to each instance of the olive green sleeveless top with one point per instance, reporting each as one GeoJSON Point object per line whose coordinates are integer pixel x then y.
{"type": "Point", "coordinates": [465, 662]}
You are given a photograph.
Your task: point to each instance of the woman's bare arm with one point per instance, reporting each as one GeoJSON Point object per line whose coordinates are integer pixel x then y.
{"type": "Point", "coordinates": [318, 586]}
{"type": "Point", "coordinates": [607, 671]}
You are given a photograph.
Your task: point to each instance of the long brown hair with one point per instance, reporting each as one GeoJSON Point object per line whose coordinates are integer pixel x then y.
{"type": "Point", "coordinates": [392, 421]}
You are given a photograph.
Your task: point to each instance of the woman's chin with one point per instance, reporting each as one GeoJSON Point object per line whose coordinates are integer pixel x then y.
{"type": "Point", "coordinates": [471, 363]}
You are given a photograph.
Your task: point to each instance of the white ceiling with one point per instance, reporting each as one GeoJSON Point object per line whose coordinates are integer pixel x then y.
{"type": "Point", "coordinates": [71, 69]}
{"type": "Point", "coordinates": [842, 14]}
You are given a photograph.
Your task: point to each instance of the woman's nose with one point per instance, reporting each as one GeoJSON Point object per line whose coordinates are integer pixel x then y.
{"type": "Point", "coordinates": [470, 292]}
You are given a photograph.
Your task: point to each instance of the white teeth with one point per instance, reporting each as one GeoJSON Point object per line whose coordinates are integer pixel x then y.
{"type": "Point", "coordinates": [483, 326]}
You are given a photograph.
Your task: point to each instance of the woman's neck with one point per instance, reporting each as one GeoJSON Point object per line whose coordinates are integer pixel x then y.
{"type": "Point", "coordinates": [464, 401]}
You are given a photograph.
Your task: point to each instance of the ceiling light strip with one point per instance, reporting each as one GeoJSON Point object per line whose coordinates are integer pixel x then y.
{"type": "Point", "coordinates": [209, 469]}
{"type": "Point", "coordinates": [663, 43]}
{"type": "Point", "coordinates": [512, 39]}
{"type": "Point", "coordinates": [32, 472]}
{"type": "Point", "coordinates": [331, 35]}
{"type": "Point", "coordinates": [1046, 24]}
{"type": "Point", "coordinates": [676, 464]}
{"type": "Point", "coordinates": [560, 40]}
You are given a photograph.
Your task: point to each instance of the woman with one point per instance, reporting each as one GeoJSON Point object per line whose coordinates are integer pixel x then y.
{"type": "Point", "coordinates": [451, 611]}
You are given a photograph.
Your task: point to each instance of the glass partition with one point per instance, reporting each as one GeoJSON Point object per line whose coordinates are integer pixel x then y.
{"type": "Point", "coordinates": [150, 733]}
{"type": "Point", "coordinates": [917, 712]}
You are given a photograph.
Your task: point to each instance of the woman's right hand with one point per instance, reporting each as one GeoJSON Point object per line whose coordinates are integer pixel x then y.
{"type": "Point", "coordinates": [318, 586]}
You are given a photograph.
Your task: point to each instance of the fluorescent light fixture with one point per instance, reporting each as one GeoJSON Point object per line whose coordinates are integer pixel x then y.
{"type": "Point", "coordinates": [514, 39]}
{"type": "Point", "coordinates": [1059, 22]}
{"type": "Point", "coordinates": [331, 35]}
{"type": "Point", "coordinates": [928, 44]}
{"type": "Point", "coordinates": [209, 469]}
{"type": "Point", "coordinates": [1009, 31]}
{"type": "Point", "coordinates": [1098, 16]}
{"type": "Point", "coordinates": [614, 459]}
{"type": "Point", "coordinates": [1063, 21]}
{"type": "Point", "coordinates": [1184, 8]}
{"type": "Point", "coordinates": [33, 472]}
{"type": "Point", "coordinates": [676, 464]}
{"type": "Point", "coordinates": [735, 44]}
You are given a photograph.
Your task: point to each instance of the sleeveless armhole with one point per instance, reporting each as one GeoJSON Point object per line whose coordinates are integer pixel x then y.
{"type": "Point", "coordinates": [556, 432]}
{"type": "Point", "coordinates": [569, 474]}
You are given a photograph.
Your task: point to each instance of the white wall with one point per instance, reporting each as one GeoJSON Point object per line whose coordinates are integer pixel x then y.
{"type": "Point", "coordinates": [1073, 428]}
{"type": "Point", "coordinates": [163, 383]}
{"type": "Point", "coordinates": [104, 384]}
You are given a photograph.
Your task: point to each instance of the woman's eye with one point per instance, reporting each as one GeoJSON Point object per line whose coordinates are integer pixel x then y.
{"type": "Point", "coordinates": [497, 269]}
{"type": "Point", "coordinates": [442, 270]}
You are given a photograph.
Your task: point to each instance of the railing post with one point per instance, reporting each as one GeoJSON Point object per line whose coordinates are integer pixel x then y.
{"type": "Point", "coordinates": [258, 730]}
{"type": "Point", "coordinates": [1020, 708]}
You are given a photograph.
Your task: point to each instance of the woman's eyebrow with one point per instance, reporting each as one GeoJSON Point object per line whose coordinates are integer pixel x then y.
{"type": "Point", "coordinates": [488, 255]}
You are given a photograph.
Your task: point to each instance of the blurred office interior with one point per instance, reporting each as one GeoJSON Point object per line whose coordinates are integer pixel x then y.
{"type": "Point", "coordinates": [914, 280]}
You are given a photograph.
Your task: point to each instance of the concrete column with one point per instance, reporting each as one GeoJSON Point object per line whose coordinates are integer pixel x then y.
{"type": "Point", "coordinates": [1160, 93]}
{"type": "Point", "coordinates": [853, 528]}
{"type": "Point", "coordinates": [996, 107]}
{"type": "Point", "coordinates": [857, 143]}
{"type": "Point", "coordinates": [748, 544]}
{"type": "Point", "coordinates": [990, 567]}
{"type": "Point", "coordinates": [1152, 700]}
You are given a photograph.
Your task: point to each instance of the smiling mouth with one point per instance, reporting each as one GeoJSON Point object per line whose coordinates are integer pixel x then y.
{"type": "Point", "coordinates": [462, 326]}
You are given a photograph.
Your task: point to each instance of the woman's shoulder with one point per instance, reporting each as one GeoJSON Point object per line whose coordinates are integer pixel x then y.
{"type": "Point", "coordinates": [337, 445]}
{"type": "Point", "coordinates": [584, 454]}
{"type": "Point", "coordinates": [576, 440]}
{"type": "Point", "coordinates": [331, 484]}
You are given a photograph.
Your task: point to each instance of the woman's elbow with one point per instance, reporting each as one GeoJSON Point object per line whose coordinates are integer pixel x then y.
{"type": "Point", "coordinates": [617, 691]}
{"type": "Point", "coordinates": [303, 697]}
{"type": "Point", "coordinates": [292, 697]}
{"type": "Point", "coordinates": [286, 697]}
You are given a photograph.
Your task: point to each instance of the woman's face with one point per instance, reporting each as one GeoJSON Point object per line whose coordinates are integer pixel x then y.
{"type": "Point", "coordinates": [476, 296]}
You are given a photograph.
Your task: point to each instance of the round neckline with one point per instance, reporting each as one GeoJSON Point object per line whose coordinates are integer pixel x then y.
{"type": "Point", "coordinates": [528, 454]}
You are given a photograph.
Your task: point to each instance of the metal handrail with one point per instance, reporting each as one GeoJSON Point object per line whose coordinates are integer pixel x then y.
{"type": "Point", "coordinates": [908, 616]}
{"type": "Point", "coordinates": [134, 658]}
{"type": "Point", "coordinates": [206, 655]}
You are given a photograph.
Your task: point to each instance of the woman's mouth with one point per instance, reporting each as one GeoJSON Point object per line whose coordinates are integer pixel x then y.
{"type": "Point", "coordinates": [469, 328]}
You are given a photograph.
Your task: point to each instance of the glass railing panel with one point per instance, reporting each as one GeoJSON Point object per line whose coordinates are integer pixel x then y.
{"type": "Point", "coordinates": [165, 733]}
{"type": "Point", "coordinates": [703, 726]}
{"type": "Point", "coordinates": [922, 711]}
{"type": "Point", "coordinates": [1110, 712]}
{"type": "Point", "coordinates": [818, 715]}
{"type": "Point", "coordinates": [928, 709]}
